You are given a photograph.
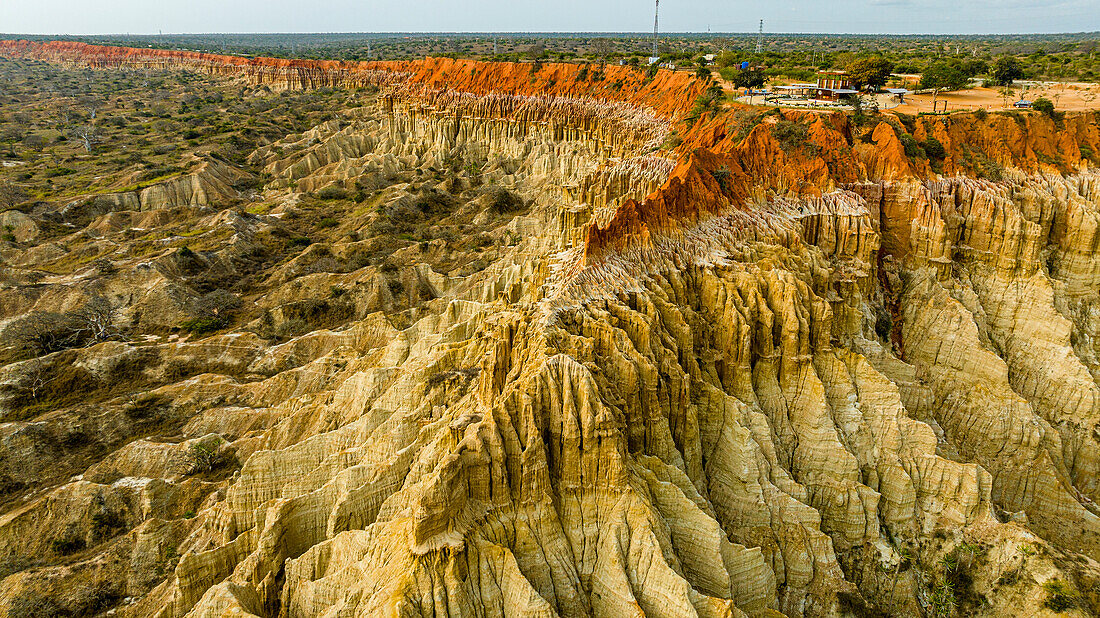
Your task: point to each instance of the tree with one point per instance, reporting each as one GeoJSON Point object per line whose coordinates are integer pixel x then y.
{"type": "Point", "coordinates": [703, 73]}
{"type": "Point", "coordinates": [751, 78]}
{"type": "Point", "coordinates": [602, 48]}
{"type": "Point", "coordinates": [10, 195]}
{"type": "Point", "coordinates": [709, 101]}
{"type": "Point", "coordinates": [873, 72]}
{"type": "Point", "coordinates": [536, 51]}
{"type": "Point", "coordinates": [42, 332]}
{"type": "Point", "coordinates": [727, 59]}
{"type": "Point", "coordinates": [11, 135]}
{"type": "Point", "coordinates": [1006, 70]}
{"type": "Point", "coordinates": [87, 134]}
{"type": "Point", "coordinates": [863, 109]}
{"type": "Point", "coordinates": [95, 321]}
{"type": "Point", "coordinates": [975, 67]}
{"type": "Point", "coordinates": [943, 76]}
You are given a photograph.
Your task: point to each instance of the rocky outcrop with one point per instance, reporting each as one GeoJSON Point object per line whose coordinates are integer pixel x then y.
{"type": "Point", "coordinates": [211, 182]}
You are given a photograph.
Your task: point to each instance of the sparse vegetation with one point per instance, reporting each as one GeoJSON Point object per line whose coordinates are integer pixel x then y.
{"type": "Point", "coordinates": [1061, 596]}
{"type": "Point", "coordinates": [792, 136]}
{"type": "Point", "coordinates": [913, 148]}
{"type": "Point", "coordinates": [456, 375]}
{"type": "Point", "coordinates": [38, 332]}
{"type": "Point", "coordinates": [333, 192]}
{"type": "Point", "coordinates": [105, 522]}
{"type": "Point", "coordinates": [68, 543]}
{"type": "Point", "coordinates": [212, 312]}
{"type": "Point", "coordinates": [722, 175]}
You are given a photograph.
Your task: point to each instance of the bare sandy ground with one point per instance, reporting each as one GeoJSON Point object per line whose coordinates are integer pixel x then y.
{"type": "Point", "coordinates": [1066, 97]}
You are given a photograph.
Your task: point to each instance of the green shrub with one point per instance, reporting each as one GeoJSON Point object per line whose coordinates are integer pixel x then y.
{"type": "Point", "coordinates": [913, 149]}
{"type": "Point", "coordinates": [54, 172]}
{"type": "Point", "coordinates": [203, 325]}
{"type": "Point", "coordinates": [934, 149]}
{"type": "Point", "coordinates": [1060, 596]}
{"type": "Point", "coordinates": [980, 113]}
{"type": "Point", "coordinates": [291, 328]}
{"type": "Point", "coordinates": [332, 192]}
{"type": "Point", "coordinates": [328, 222]}
{"type": "Point", "coordinates": [203, 457]}
{"type": "Point", "coordinates": [942, 602]}
{"type": "Point", "coordinates": [1044, 105]}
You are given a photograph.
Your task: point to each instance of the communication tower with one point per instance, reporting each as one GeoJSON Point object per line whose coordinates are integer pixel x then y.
{"type": "Point", "coordinates": [656, 12]}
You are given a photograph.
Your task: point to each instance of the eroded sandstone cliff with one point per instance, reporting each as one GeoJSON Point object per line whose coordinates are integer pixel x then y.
{"type": "Point", "coordinates": [790, 366]}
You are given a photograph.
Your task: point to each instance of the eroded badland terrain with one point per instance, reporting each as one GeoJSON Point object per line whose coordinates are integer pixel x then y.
{"type": "Point", "coordinates": [454, 338]}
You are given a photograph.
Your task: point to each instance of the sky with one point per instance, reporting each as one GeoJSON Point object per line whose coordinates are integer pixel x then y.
{"type": "Point", "coordinates": [826, 16]}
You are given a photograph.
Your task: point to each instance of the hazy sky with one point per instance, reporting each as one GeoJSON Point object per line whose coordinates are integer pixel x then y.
{"type": "Point", "coordinates": [866, 16]}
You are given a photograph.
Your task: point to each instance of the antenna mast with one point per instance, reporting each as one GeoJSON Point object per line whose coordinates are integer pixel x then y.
{"type": "Point", "coordinates": [656, 11]}
{"type": "Point", "coordinates": [760, 38]}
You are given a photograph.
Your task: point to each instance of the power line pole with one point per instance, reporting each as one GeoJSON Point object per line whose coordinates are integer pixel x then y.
{"type": "Point", "coordinates": [656, 12]}
{"type": "Point", "coordinates": [760, 38]}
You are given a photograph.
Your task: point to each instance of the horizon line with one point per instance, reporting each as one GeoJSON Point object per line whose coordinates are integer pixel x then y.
{"type": "Point", "coordinates": [603, 33]}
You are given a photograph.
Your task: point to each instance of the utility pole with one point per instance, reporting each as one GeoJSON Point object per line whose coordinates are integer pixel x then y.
{"type": "Point", "coordinates": [368, 49]}
{"type": "Point", "coordinates": [656, 13]}
{"type": "Point", "coordinates": [760, 38]}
